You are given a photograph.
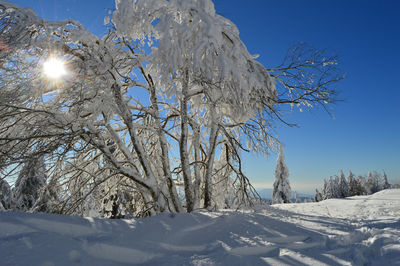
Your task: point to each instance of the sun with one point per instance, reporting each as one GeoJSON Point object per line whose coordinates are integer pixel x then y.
{"type": "Point", "coordinates": [54, 68]}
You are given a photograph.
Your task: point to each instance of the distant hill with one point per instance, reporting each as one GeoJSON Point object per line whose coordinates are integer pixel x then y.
{"type": "Point", "coordinates": [266, 193]}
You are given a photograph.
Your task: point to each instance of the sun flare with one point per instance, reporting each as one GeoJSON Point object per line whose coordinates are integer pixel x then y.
{"type": "Point", "coordinates": [54, 68]}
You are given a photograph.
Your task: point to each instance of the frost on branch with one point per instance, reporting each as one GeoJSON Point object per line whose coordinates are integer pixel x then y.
{"type": "Point", "coordinates": [151, 117]}
{"type": "Point", "coordinates": [199, 48]}
{"type": "Point", "coordinates": [307, 77]}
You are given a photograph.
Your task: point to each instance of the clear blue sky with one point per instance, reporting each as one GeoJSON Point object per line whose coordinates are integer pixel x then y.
{"type": "Point", "coordinates": [365, 134]}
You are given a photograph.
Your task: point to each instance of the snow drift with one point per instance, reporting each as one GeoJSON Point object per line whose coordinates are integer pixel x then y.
{"type": "Point", "coordinates": [353, 231]}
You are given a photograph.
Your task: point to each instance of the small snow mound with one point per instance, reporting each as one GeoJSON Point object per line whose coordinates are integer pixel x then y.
{"type": "Point", "coordinates": [271, 251]}
{"type": "Point", "coordinates": [118, 253]}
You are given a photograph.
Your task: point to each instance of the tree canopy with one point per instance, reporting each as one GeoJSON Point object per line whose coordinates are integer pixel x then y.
{"type": "Point", "coordinates": [157, 112]}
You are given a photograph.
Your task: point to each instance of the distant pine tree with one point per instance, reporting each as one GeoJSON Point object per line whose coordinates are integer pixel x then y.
{"type": "Point", "coordinates": [335, 187]}
{"type": "Point", "coordinates": [343, 186]}
{"type": "Point", "coordinates": [282, 191]}
{"type": "Point", "coordinates": [318, 196]}
{"type": "Point", "coordinates": [298, 200]}
{"type": "Point", "coordinates": [328, 191]}
{"type": "Point", "coordinates": [324, 190]}
{"type": "Point", "coordinates": [354, 189]}
{"type": "Point", "coordinates": [372, 182]}
{"type": "Point", "coordinates": [362, 186]}
{"type": "Point", "coordinates": [385, 183]}
{"type": "Point", "coordinates": [339, 187]}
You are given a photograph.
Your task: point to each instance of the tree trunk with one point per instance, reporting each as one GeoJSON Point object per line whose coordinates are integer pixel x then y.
{"type": "Point", "coordinates": [210, 160]}
{"type": "Point", "coordinates": [183, 142]}
{"type": "Point", "coordinates": [173, 195]}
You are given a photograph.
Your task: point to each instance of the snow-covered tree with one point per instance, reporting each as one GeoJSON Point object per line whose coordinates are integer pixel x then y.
{"type": "Point", "coordinates": [372, 182]}
{"type": "Point", "coordinates": [282, 192]}
{"type": "Point", "coordinates": [49, 198]}
{"type": "Point", "coordinates": [298, 200]}
{"type": "Point", "coordinates": [331, 188]}
{"type": "Point", "coordinates": [31, 179]}
{"type": "Point", "coordinates": [362, 185]}
{"type": "Point", "coordinates": [343, 185]}
{"type": "Point", "coordinates": [169, 76]}
{"type": "Point", "coordinates": [120, 199]}
{"type": "Point", "coordinates": [328, 191]}
{"type": "Point", "coordinates": [339, 187]}
{"type": "Point", "coordinates": [335, 187]}
{"type": "Point", "coordinates": [385, 183]}
{"type": "Point", "coordinates": [5, 194]}
{"type": "Point", "coordinates": [223, 187]}
{"type": "Point", "coordinates": [353, 184]}
{"type": "Point", "coordinates": [318, 196]}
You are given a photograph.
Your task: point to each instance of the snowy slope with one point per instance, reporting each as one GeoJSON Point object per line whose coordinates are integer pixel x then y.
{"type": "Point", "coordinates": [358, 230]}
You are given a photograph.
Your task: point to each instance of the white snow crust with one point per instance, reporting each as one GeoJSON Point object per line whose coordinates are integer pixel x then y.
{"type": "Point", "coordinates": [362, 230]}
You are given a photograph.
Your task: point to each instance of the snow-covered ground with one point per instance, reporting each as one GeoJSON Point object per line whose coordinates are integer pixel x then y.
{"type": "Point", "coordinates": [354, 231]}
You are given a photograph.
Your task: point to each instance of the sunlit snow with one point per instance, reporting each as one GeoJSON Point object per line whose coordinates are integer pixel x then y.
{"type": "Point", "coordinates": [360, 230]}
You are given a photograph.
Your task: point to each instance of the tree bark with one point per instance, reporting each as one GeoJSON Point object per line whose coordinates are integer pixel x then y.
{"type": "Point", "coordinates": [183, 142]}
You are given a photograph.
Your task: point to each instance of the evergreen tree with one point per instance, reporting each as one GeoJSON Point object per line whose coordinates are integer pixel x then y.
{"type": "Point", "coordinates": [328, 189]}
{"type": "Point", "coordinates": [318, 196]}
{"type": "Point", "coordinates": [372, 182]}
{"type": "Point", "coordinates": [385, 183]}
{"type": "Point", "coordinates": [298, 200]}
{"type": "Point", "coordinates": [31, 180]}
{"type": "Point", "coordinates": [118, 204]}
{"type": "Point", "coordinates": [343, 186]}
{"type": "Point", "coordinates": [335, 187]}
{"type": "Point", "coordinates": [48, 200]}
{"type": "Point", "coordinates": [324, 190]}
{"type": "Point", "coordinates": [5, 193]}
{"type": "Point", "coordinates": [353, 185]}
{"type": "Point", "coordinates": [362, 186]}
{"type": "Point", "coordinates": [282, 192]}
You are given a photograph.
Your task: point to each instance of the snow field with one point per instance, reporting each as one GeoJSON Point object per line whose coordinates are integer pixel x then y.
{"type": "Point", "coordinates": [354, 231]}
